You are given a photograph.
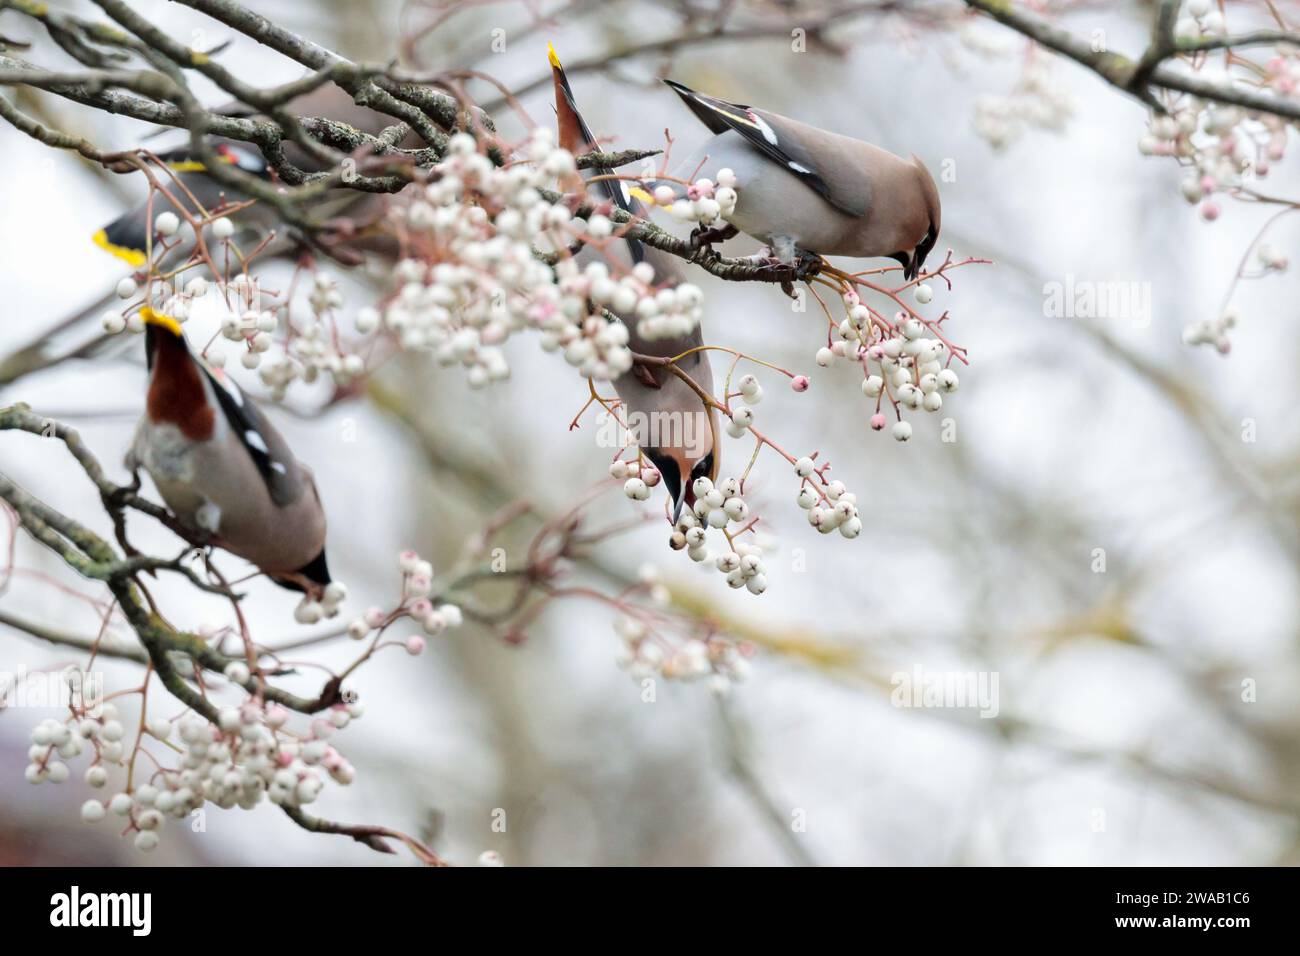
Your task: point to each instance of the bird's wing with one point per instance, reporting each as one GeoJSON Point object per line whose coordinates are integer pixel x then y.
{"type": "Point", "coordinates": [775, 137]}
{"type": "Point", "coordinates": [269, 451]}
{"type": "Point", "coordinates": [576, 136]}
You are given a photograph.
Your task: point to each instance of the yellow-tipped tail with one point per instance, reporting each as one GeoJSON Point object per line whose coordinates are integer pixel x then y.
{"type": "Point", "coordinates": [150, 317]}
{"type": "Point", "coordinates": [133, 257]}
{"type": "Point", "coordinates": [553, 56]}
{"type": "Point", "coordinates": [641, 194]}
{"type": "Point", "coordinates": [190, 166]}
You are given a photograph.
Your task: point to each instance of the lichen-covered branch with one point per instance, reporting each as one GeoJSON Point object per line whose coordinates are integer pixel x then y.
{"type": "Point", "coordinates": [1139, 77]}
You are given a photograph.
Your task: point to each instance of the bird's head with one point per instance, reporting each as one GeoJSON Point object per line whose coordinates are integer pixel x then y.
{"type": "Point", "coordinates": [683, 445]}
{"type": "Point", "coordinates": [160, 331]}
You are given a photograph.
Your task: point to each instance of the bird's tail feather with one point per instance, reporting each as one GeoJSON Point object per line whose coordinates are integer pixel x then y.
{"type": "Point", "coordinates": [576, 136]}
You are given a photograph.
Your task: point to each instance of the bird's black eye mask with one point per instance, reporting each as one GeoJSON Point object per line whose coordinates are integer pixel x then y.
{"type": "Point", "coordinates": [703, 468]}
{"type": "Point", "coordinates": [668, 470]}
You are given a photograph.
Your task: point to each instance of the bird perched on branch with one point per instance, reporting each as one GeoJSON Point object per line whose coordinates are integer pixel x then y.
{"type": "Point", "coordinates": [676, 430]}
{"type": "Point", "coordinates": [188, 181]}
{"type": "Point", "coordinates": [127, 237]}
{"type": "Point", "coordinates": [222, 468]}
{"type": "Point", "coordinates": [804, 190]}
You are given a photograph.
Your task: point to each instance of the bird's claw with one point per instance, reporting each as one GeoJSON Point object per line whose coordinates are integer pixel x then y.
{"type": "Point", "coordinates": [708, 235]}
{"type": "Point", "coordinates": [705, 254]}
{"type": "Point", "coordinates": [786, 272]}
{"type": "Point", "coordinates": [702, 240]}
{"type": "Point", "coordinates": [807, 265]}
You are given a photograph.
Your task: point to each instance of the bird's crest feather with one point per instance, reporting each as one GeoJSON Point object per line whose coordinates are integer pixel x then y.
{"type": "Point", "coordinates": [150, 317]}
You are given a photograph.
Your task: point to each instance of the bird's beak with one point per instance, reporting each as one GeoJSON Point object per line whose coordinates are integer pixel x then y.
{"type": "Point", "coordinates": [687, 494]}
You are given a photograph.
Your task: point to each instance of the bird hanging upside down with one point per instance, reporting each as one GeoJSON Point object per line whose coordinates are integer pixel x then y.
{"type": "Point", "coordinates": [675, 429]}
{"type": "Point", "coordinates": [223, 469]}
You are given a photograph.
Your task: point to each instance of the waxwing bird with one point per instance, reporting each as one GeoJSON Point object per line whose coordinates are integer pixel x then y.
{"type": "Point", "coordinates": [804, 189]}
{"type": "Point", "coordinates": [128, 236]}
{"type": "Point", "coordinates": [675, 429]}
{"type": "Point", "coordinates": [222, 468]}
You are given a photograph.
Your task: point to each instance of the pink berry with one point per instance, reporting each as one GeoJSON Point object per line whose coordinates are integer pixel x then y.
{"type": "Point", "coordinates": [877, 421]}
{"type": "Point", "coordinates": [414, 645]}
{"type": "Point", "coordinates": [799, 383]}
{"type": "Point", "coordinates": [1209, 211]}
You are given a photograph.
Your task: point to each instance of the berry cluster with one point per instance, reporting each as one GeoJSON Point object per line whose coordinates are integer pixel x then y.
{"type": "Point", "coordinates": [489, 252]}
{"type": "Point", "coordinates": [830, 505]}
{"type": "Point", "coordinates": [650, 649]}
{"type": "Point", "coordinates": [906, 361]}
{"type": "Point", "coordinates": [170, 300]}
{"type": "Point", "coordinates": [251, 752]}
{"type": "Point", "coordinates": [315, 345]}
{"type": "Point", "coordinates": [740, 420]}
{"type": "Point", "coordinates": [1212, 331]}
{"type": "Point", "coordinates": [250, 322]}
{"type": "Point", "coordinates": [311, 610]}
{"type": "Point", "coordinates": [722, 508]}
{"type": "Point", "coordinates": [1038, 99]}
{"type": "Point", "coordinates": [706, 200]}
{"type": "Point", "coordinates": [419, 588]}
{"type": "Point", "coordinates": [638, 478]}
{"type": "Point", "coordinates": [1224, 148]}
{"type": "Point", "coordinates": [474, 277]}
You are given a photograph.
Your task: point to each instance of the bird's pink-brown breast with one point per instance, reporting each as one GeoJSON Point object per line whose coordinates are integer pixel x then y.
{"type": "Point", "coordinates": [176, 393]}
